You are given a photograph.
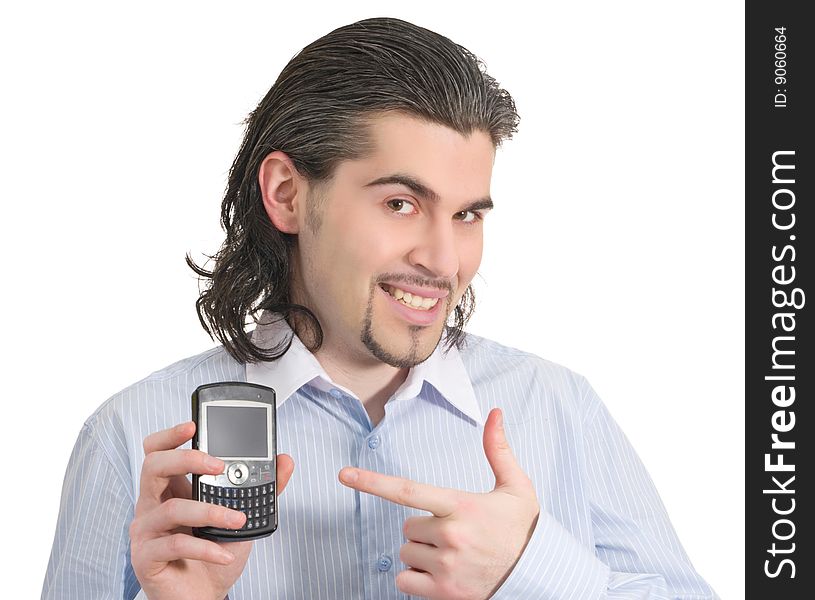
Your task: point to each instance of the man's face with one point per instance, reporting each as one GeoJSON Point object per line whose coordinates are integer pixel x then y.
{"type": "Point", "coordinates": [373, 239]}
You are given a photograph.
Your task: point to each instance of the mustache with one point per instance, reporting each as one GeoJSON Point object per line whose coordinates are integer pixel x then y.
{"type": "Point", "coordinates": [415, 280]}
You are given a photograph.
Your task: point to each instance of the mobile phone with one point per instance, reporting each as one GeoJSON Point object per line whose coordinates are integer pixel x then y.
{"type": "Point", "coordinates": [236, 422]}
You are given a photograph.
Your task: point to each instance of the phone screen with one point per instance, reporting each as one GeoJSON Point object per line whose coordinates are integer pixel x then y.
{"type": "Point", "coordinates": [237, 431]}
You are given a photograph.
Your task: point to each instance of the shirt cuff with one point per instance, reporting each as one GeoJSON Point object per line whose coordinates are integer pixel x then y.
{"type": "Point", "coordinates": [142, 596]}
{"type": "Point", "coordinates": [555, 564]}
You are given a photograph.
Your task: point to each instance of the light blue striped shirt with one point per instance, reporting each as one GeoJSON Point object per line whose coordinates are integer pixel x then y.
{"type": "Point", "coordinates": [602, 532]}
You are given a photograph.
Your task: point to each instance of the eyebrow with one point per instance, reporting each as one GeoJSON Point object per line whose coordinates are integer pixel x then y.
{"type": "Point", "coordinates": [423, 191]}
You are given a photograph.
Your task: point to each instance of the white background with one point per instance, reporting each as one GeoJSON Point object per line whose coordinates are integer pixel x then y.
{"type": "Point", "coordinates": [616, 245]}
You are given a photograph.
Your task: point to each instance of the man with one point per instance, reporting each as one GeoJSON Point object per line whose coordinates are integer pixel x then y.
{"type": "Point", "coordinates": [354, 217]}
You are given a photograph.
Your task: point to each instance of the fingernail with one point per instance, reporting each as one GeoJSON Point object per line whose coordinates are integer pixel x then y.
{"type": "Point", "coordinates": [501, 419]}
{"type": "Point", "coordinates": [349, 475]}
{"type": "Point", "coordinates": [236, 519]}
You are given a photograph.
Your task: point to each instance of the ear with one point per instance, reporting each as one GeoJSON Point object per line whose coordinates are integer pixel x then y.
{"type": "Point", "coordinates": [283, 190]}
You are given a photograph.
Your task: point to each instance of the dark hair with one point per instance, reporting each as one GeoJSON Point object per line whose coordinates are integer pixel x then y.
{"type": "Point", "coordinates": [317, 113]}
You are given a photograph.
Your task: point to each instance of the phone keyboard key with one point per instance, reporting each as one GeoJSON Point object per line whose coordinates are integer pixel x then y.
{"type": "Point", "coordinates": [257, 503]}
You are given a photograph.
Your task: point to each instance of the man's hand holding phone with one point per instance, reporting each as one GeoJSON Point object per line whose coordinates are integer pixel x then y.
{"type": "Point", "coordinates": [167, 559]}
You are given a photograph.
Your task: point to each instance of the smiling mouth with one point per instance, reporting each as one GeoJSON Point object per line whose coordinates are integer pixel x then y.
{"type": "Point", "coordinates": [410, 300]}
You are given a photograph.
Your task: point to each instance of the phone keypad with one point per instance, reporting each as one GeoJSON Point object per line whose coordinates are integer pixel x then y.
{"type": "Point", "coordinates": [257, 503]}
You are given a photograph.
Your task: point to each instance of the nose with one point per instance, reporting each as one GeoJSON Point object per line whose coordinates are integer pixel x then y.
{"type": "Point", "coordinates": [437, 250]}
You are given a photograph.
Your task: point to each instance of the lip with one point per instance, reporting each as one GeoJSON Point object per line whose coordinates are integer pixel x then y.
{"type": "Point", "coordinates": [417, 317]}
{"type": "Point", "coordinates": [417, 291]}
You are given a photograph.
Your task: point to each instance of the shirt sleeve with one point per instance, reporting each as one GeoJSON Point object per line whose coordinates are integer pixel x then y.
{"type": "Point", "coordinates": [636, 553]}
{"type": "Point", "coordinates": [90, 556]}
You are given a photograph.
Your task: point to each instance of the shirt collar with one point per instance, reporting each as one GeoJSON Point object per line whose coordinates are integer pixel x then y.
{"type": "Point", "coordinates": [298, 367]}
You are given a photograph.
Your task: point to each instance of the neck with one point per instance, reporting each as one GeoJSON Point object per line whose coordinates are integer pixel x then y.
{"type": "Point", "coordinates": [372, 381]}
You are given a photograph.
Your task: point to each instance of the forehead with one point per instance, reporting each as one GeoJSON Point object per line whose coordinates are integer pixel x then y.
{"type": "Point", "coordinates": [455, 166]}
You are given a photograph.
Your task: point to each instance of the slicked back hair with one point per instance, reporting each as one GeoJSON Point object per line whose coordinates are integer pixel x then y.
{"type": "Point", "coordinates": [317, 112]}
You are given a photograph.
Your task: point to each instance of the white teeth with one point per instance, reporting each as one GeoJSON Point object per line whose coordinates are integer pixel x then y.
{"type": "Point", "coordinates": [411, 300]}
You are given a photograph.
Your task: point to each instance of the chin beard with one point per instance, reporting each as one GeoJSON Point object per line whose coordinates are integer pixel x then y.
{"type": "Point", "coordinates": [403, 361]}
{"type": "Point", "coordinates": [406, 360]}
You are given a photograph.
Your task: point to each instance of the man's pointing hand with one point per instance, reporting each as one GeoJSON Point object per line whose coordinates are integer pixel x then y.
{"type": "Point", "coordinates": [472, 542]}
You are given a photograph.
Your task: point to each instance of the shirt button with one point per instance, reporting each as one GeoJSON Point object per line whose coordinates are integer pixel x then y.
{"type": "Point", "coordinates": [336, 393]}
{"type": "Point", "coordinates": [384, 563]}
{"type": "Point", "coordinates": [373, 442]}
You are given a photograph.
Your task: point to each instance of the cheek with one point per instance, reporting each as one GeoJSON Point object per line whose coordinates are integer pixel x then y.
{"type": "Point", "coordinates": [359, 234]}
{"type": "Point", "coordinates": [352, 260]}
{"type": "Point", "coordinates": [470, 253]}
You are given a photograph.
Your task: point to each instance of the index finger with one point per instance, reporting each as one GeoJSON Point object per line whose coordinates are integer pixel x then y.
{"type": "Point", "coordinates": [169, 439]}
{"type": "Point", "coordinates": [439, 501]}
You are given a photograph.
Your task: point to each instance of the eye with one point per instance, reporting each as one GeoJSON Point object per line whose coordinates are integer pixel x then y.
{"type": "Point", "coordinates": [398, 204]}
{"type": "Point", "coordinates": [476, 216]}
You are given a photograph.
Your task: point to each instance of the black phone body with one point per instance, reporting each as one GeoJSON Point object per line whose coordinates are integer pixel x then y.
{"type": "Point", "coordinates": [237, 422]}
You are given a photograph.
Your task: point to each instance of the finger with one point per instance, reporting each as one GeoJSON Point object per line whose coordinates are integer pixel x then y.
{"type": "Point", "coordinates": [168, 439]}
{"type": "Point", "coordinates": [420, 556]}
{"type": "Point", "coordinates": [423, 529]}
{"type": "Point", "coordinates": [285, 468]}
{"type": "Point", "coordinates": [178, 512]}
{"type": "Point", "coordinates": [159, 466]}
{"type": "Point", "coordinates": [439, 501]}
{"type": "Point", "coordinates": [177, 546]}
{"type": "Point", "coordinates": [169, 463]}
{"type": "Point", "coordinates": [415, 583]}
{"type": "Point", "coordinates": [180, 487]}
{"type": "Point", "coordinates": [506, 469]}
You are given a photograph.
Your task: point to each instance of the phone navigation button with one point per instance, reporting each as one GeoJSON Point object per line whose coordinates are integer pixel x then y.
{"type": "Point", "coordinates": [237, 473]}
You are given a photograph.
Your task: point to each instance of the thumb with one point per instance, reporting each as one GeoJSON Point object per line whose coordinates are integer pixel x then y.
{"type": "Point", "coordinates": [507, 471]}
{"type": "Point", "coordinates": [285, 468]}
